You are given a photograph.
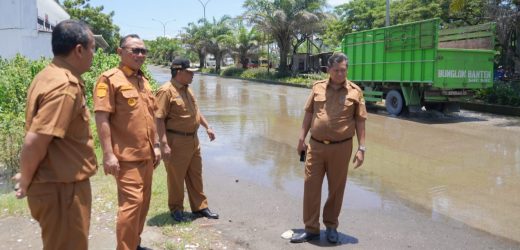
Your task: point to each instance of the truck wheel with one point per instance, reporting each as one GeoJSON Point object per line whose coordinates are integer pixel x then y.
{"type": "Point", "coordinates": [394, 102]}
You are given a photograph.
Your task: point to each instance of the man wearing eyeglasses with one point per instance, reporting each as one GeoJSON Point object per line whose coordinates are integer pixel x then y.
{"type": "Point", "coordinates": [57, 156]}
{"type": "Point", "coordinates": [178, 119]}
{"type": "Point", "coordinates": [334, 112]}
{"type": "Point", "coordinates": [125, 106]}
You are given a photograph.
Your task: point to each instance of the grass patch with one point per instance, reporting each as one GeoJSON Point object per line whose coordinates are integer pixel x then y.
{"type": "Point", "coordinates": [11, 206]}
{"type": "Point", "coordinates": [177, 235]}
{"type": "Point", "coordinates": [186, 235]}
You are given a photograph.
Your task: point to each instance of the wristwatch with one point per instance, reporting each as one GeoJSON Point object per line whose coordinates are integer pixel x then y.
{"type": "Point", "coordinates": [362, 148]}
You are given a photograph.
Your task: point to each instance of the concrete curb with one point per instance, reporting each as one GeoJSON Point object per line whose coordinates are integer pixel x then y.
{"type": "Point", "coordinates": [491, 108]}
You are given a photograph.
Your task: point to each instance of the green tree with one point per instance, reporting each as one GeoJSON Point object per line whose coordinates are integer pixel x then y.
{"type": "Point", "coordinates": [219, 38]}
{"type": "Point", "coordinates": [163, 50]}
{"type": "Point", "coordinates": [284, 20]}
{"type": "Point", "coordinates": [194, 37]}
{"type": "Point", "coordinates": [506, 14]}
{"type": "Point", "coordinates": [406, 11]}
{"type": "Point", "coordinates": [100, 23]}
{"type": "Point", "coordinates": [244, 42]}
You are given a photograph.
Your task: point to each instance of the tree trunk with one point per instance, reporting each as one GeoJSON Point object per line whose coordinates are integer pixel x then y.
{"type": "Point", "coordinates": [218, 59]}
{"type": "Point", "coordinates": [284, 51]}
{"type": "Point", "coordinates": [243, 61]}
{"type": "Point", "coordinates": [284, 44]}
{"type": "Point", "coordinates": [243, 58]}
{"type": "Point", "coordinates": [201, 59]}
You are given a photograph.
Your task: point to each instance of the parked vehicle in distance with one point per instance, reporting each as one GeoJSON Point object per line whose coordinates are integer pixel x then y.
{"type": "Point", "coordinates": [418, 64]}
{"type": "Point", "coordinates": [228, 61]}
{"type": "Point", "coordinates": [210, 62]}
{"type": "Point", "coordinates": [252, 64]}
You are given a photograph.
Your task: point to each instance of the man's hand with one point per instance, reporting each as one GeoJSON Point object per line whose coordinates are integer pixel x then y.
{"type": "Point", "coordinates": [20, 187]}
{"type": "Point", "coordinates": [358, 159]}
{"type": "Point", "coordinates": [111, 164]}
{"type": "Point", "coordinates": [157, 159]}
{"type": "Point", "coordinates": [301, 146]}
{"type": "Point", "coordinates": [211, 134]}
{"type": "Point", "coordinates": [165, 151]}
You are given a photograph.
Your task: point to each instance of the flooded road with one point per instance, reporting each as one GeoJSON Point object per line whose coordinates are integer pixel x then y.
{"type": "Point", "coordinates": [463, 168]}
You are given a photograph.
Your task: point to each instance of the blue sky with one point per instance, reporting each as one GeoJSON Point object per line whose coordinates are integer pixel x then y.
{"type": "Point", "coordinates": [136, 16]}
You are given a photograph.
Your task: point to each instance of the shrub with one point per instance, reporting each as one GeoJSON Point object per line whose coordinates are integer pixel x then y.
{"type": "Point", "coordinates": [232, 71]}
{"type": "Point", "coordinates": [503, 93]}
{"type": "Point", "coordinates": [16, 75]}
{"type": "Point", "coordinates": [259, 73]}
{"type": "Point", "coordinates": [208, 70]}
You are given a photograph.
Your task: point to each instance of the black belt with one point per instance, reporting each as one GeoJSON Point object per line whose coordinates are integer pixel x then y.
{"type": "Point", "coordinates": [330, 142]}
{"type": "Point", "coordinates": [180, 133]}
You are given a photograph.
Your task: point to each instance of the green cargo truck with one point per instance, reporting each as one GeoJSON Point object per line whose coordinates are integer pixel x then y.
{"type": "Point", "coordinates": [418, 64]}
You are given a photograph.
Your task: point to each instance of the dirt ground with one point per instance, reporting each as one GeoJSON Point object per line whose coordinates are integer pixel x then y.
{"type": "Point", "coordinates": [254, 217]}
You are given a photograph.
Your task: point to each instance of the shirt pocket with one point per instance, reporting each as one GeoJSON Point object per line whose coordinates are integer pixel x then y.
{"type": "Point", "coordinates": [178, 103]}
{"type": "Point", "coordinates": [319, 103]}
{"type": "Point", "coordinates": [130, 97]}
{"type": "Point", "coordinates": [348, 106]}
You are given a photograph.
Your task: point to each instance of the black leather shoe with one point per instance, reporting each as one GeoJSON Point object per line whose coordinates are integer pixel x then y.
{"type": "Point", "coordinates": [304, 237]}
{"type": "Point", "coordinates": [332, 235]}
{"type": "Point", "coordinates": [177, 216]}
{"type": "Point", "coordinates": [206, 213]}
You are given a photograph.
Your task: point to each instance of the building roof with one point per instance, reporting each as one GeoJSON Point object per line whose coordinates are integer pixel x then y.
{"type": "Point", "coordinates": [100, 42]}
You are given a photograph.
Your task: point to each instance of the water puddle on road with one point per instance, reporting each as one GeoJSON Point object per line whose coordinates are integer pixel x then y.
{"type": "Point", "coordinates": [465, 167]}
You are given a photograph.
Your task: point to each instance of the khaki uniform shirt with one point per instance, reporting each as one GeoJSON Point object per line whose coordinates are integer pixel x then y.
{"type": "Point", "coordinates": [335, 111]}
{"type": "Point", "coordinates": [56, 106]}
{"type": "Point", "coordinates": [127, 96]}
{"type": "Point", "coordinates": [177, 105]}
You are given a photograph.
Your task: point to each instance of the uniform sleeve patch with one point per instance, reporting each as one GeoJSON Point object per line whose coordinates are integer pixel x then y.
{"type": "Point", "coordinates": [101, 90]}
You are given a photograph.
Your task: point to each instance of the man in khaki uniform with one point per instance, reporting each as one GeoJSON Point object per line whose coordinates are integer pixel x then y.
{"type": "Point", "coordinates": [125, 106]}
{"type": "Point", "coordinates": [57, 156]}
{"type": "Point", "coordinates": [178, 119]}
{"type": "Point", "coordinates": [334, 112]}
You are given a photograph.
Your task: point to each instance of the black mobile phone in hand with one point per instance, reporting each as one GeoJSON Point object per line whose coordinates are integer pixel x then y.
{"type": "Point", "coordinates": [302, 156]}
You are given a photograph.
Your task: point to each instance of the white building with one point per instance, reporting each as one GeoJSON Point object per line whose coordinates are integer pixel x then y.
{"type": "Point", "coordinates": [26, 27]}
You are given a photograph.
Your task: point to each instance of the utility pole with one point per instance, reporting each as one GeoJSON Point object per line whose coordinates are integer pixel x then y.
{"type": "Point", "coordinates": [387, 20]}
{"type": "Point", "coordinates": [163, 24]}
{"type": "Point", "coordinates": [204, 7]}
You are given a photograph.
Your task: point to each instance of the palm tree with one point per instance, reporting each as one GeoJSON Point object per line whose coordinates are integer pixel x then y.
{"type": "Point", "coordinates": [194, 39]}
{"type": "Point", "coordinates": [244, 42]}
{"type": "Point", "coordinates": [219, 38]}
{"type": "Point", "coordinates": [284, 20]}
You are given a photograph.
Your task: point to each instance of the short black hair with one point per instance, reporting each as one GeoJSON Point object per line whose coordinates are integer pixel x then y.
{"type": "Point", "coordinates": [123, 40]}
{"type": "Point", "coordinates": [174, 72]}
{"type": "Point", "coordinates": [67, 34]}
{"type": "Point", "coordinates": [337, 57]}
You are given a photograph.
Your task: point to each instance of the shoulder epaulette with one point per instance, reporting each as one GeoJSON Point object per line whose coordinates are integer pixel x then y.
{"type": "Point", "coordinates": [320, 81]}
{"type": "Point", "coordinates": [355, 86]}
{"type": "Point", "coordinates": [110, 72]}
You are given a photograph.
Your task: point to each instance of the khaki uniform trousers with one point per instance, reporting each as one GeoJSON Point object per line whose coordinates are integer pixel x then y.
{"type": "Point", "coordinates": [332, 160]}
{"type": "Point", "coordinates": [185, 165]}
{"type": "Point", "coordinates": [63, 212]}
{"type": "Point", "coordinates": [134, 190]}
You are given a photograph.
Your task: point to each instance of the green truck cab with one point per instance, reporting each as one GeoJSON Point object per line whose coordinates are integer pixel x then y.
{"type": "Point", "coordinates": [418, 64]}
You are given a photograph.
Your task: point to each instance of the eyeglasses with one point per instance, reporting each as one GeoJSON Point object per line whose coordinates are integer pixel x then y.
{"type": "Point", "coordinates": [137, 51]}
